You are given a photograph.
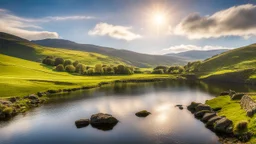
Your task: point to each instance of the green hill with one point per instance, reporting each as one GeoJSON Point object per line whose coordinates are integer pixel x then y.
{"type": "Point", "coordinates": [19, 77]}
{"type": "Point", "coordinates": [21, 48]}
{"type": "Point", "coordinates": [239, 61]}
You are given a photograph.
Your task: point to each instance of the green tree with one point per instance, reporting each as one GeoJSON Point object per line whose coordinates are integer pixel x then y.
{"type": "Point", "coordinates": [58, 61]}
{"type": "Point", "coordinates": [158, 71]}
{"type": "Point", "coordinates": [75, 63]}
{"type": "Point", "coordinates": [67, 62]}
{"type": "Point", "coordinates": [60, 67]}
{"type": "Point", "coordinates": [80, 68]}
{"type": "Point", "coordinates": [70, 68]}
{"type": "Point", "coordinates": [98, 69]}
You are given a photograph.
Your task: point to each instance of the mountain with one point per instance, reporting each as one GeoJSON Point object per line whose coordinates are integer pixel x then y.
{"type": "Point", "coordinates": [130, 57]}
{"type": "Point", "coordinates": [21, 48]}
{"type": "Point", "coordinates": [198, 54]}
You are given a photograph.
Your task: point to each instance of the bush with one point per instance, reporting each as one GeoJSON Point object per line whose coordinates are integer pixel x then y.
{"type": "Point", "coordinates": [70, 68]}
{"type": "Point", "coordinates": [80, 68]}
{"type": "Point", "coordinates": [75, 63]}
{"type": "Point", "coordinates": [60, 67]}
{"type": "Point", "coordinates": [158, 71]}
{"type": "Point", "coordinates": [98, 69]}
{"type": "Point", "coordinates": [176, 70]}
{"type": "Point", "coordinates": [67, 62]}
{"type": "Point", "coordinates": [90, 71]}
{"type": "Point", "coordinates": [58, 61]}
{"type": "Point", "coordinates": [48, 61]}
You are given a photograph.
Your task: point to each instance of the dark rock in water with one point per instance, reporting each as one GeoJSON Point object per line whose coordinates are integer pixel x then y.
{"type": "Point", "coordinates": [224, 93]}
{"type": "Point", "coordinates": [223, 125]}
{"type": "Point", "coordinates": [32, 97]}
{"type": "Point", "coordinates": [82, 123]}
{"type": "Point", "coordinates": [244, 137]}
{"type": "Point", "coordinates": [53, 91]}
{"type": "Point", "coordinates": [207, 116]}
{"type": "Point", "coordinates": [142, 113]}
{"type": "Point", "coordinates": [237, 96]}
{"type": "Point", "coordinates": [231, 93]}
{"type": "Point", "coordinates": [192, 106]}
{"type": "Point", "coordinates": [201, 107]}
{"type": "Point", "coordinates": [201, 113]}
{"type": "Point", "coordinates": [212, 120]}
{"type": "Point", "coordinates": [179, 106]}
{"type": "Point", "coordinates": [103, 121]}
{"type": "Point", "coordinates": [40, 94]}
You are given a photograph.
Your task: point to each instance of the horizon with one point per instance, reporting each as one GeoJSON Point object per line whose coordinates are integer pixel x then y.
{"type": "Point", "coordinates": [152, 27]}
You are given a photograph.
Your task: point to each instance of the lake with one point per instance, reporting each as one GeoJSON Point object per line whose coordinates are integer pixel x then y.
{"type": "Point", "coordinates": [54, 121]}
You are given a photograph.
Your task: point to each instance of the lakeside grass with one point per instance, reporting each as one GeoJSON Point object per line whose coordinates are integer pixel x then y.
{"type": "Point", "coordinates": [233, 111]}
{"type": "Point", "coordinates": [20, 77]}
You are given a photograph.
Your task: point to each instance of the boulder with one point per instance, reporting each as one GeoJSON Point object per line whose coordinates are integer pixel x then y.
{"type": "Point", "coordinates": [13, 99]}
{"type": "Point", "coordinates": [237, 96]}
{"type": "Point", "coordinates": [142, 113]}
{"type": "Point", "coordinates": [224, 93]}
{"type": "Point", "coordinates": [201, 107]}
{"type": "Point", "coordinates": [5, 102]}
{"type": "Point", "coordinates": [223, 125]}
{"type": "Point", "coordinates": [231, 93]}
{"type": "Point", "coordinates": [103, 121]}
{"type": "Point", "coordinates": [179, 106]}
{"type": "Point", "coordinates": [192, 106]}
{"type": "Point", "coordinates": [40, 94]}
{"type": "Point", "coordinates": [82, 123]}
{"type": "Point", "coordinates": [212, 120]}
{"type": "Point", "coordinates": [207, 116]}
{"type": "Point", "coordinates": [201, 113]}
{"type": "Point", "coordinates": [244, 137]}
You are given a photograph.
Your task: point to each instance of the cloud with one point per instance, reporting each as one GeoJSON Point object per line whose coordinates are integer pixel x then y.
{"type": "Point", "coordinates": [19, 26]}
{"type": "Point", "coordinates": [118, 32]}
{"type": "Point", "coordinates": [234, 21]}
{"type": "Point", "coordinates": [183, 48]}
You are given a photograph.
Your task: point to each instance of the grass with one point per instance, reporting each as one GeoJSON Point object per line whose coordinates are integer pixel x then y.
{"type": "Point", "coordinates": [232, 110]}
{"type": "Point", "coordinates": [20, 77]}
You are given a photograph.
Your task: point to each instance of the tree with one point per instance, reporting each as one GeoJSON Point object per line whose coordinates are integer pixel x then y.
{"type": "Point", "coordinates": [98, 69]}
{"type": "Point", "coordinates": [60, 67]}
{"type": "Point", "coordinates": [158, 71]}
{"type": "Point", "coordinates": [75, 63]}
{"type": "Point", "coordinates": [120, 69]}
{"type": "Point", "coordinates": [80, 68]}
{"type": "Point", "coordinates": [48, 61]}
{"type": "Point", "coordinates": [67, 62]}
{"type": "Point", "coordinates": [70, 68]}
{"type": "Point", "coordinates": [58, 61]}
{"type": "Point", "coordinates": [90, 71]}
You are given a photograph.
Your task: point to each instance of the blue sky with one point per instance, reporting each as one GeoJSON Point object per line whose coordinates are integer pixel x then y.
{"type": "Point", "coordinates": [131, 24]}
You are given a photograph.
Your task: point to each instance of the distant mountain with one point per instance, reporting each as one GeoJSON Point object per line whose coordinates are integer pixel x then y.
{"type": "Point", "coordinates": [198, 54]}
{"type": "Point", "coordinates": [130, 57]}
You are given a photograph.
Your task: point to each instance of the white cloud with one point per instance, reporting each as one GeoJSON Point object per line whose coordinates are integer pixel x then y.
{"type": "Point", "coordinates": [234, 21]}
{"type": "Point", "coordinates": [118, 32]}
{"type": "Point", "coordinates": [19, 26]}
{"type": "Point", "coordinates": [183, 48]}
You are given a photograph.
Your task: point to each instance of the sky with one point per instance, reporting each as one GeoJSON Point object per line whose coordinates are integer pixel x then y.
{"type": "Point", "coordinates": [144, 26]}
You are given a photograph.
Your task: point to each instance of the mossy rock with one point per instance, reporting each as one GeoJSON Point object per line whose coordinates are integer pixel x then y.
{"type": "Point", "coordinates": [192, 106]}
{"type": "Point", "coordinates": [142, 113]}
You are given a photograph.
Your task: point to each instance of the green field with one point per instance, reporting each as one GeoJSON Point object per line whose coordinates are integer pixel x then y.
{"type": "Point", "coordinates": [20, 77]}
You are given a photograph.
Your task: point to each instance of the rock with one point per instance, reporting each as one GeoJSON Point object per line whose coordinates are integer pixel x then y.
{"type": "Point", "coordinates": [231, 93]}
{"type": "Point", "coordinates": [201, 107]}
{"type": "Point", "coordinates": [212, 120]}
{"type": "Point", "coordinates": [13, 99]}
{"type": "Point", "coordinates": [216, 109]}
{"type": "Point", "coordinates": [223, 125]}
{"type": "Point", "coordinates": [244, 137]}
{"type": "Point", "coordinates": [179, 106]}
{"type": "Point", "coordinates": [32, 97]}
{"type": "Point", "coordinates": [82, 123]}
{"type": "Point", "coordinates": [40, 94]}
{"type": "Point", "coordinates": [248, 104]}
{"type": "Point", "coordinates": [224, 93]}
{"type": "Point", "coordinates": [142, 113]}
{"type": "Point", "coordinates": [242, 125]}
{"type": "Point", "coordinates": [237, 96]}
{"type": "Point", "coordinates": [53, 91]}
{"type": "Point", "coordinates": [201, 113]}
{"type": "Point", "coordinates": [207, 116]}
{"type": "Point", "coordinates": [103, 121]}
{"type": "Point", "coordinates": [192, 106]}
{"type": "Point", "coordinates": [5, 102]}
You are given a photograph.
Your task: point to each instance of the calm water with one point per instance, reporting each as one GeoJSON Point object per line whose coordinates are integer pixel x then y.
{"type": "Point", "coordinates": [54, 122]}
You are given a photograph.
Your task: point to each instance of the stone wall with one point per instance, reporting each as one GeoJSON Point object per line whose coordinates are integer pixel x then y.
{"type": "Point", "coordinates": [248, 104]}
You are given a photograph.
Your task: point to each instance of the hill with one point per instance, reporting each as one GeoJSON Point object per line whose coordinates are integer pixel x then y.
{"type": "Point", "coordinates": [21, 48]}
{"type": "Point", "coordinates": [130, 57]}
{"type": "Point", "coordinates": [198, 54]}
{"type": "Point", "coordinates": [19, 77]}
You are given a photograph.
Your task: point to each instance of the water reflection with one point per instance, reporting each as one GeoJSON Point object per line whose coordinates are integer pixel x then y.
{"type": "Point", "coordinates": [54, 122]}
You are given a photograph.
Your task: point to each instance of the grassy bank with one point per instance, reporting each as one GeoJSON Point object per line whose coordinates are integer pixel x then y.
{"type": "Point", "coordinates": [20, 77]}
{"type": "Point", "coordinates": [233, 111]}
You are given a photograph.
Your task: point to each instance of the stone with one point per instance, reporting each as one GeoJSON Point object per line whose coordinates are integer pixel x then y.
{"type": "Point", "coordinates": [179, 106]}
{"type": "Point", "coordinates": [201, 113]}
{"type": "Point", "coordinates": [223, 125]}
{"type": "Point", "coordinates": [237, 96]}
{"type": "Point", "coordinates": [224, 93]}
{"type": "Point", "coordinates": [201, 107]}
{"type": "Point", "coordinates": [242, 125]}
{"type": "Point", "coordinates": [32, 97]}
{"type": "Point", "coordinates": [231, 93]}
{"type": "Point", "coordinates": [40, 94]}
{"type": "Point", "coordinates": [142, 113]}
{"type": "Point", "coordinates": [82, 123]}
{"type": "Point", "coordinates": [103, 121]}
{"type": "Point", "coordinates": [192, 106]}
{"type": "Point", "coordinates": [207, 116]}
{"type": "Point", "coordinates": [12, 99]}
{"type": "Point", "coordinates": [5, 102]}
{"type": "Point", "coordinates": [244, 137]}
{"type": "Point", "coordinates": [212, 120]}
{"type": "Point", "coordinates": [248, 104]}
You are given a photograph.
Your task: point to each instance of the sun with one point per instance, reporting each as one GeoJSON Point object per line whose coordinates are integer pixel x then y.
{"type": "Point", "coordinates": [159, 19]}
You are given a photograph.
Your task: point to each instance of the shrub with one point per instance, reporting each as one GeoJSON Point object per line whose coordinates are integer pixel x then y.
{"type": "Point", "coordinates": [176, 70]}
{"type": "Point", "coordinates": [58, 61]}
{"type": "Point", "coordinates": [98, 69]}
{"type": "Point", "coordinates": [75, 63]}
{"type": "Point", "coordinates": [48, 61]}
{"type": "Point", "coordinates": [60, 67]}
{"type": "Point", "coordinates": [158, 71]}
{"type": "Point", "coordinates": [80, 68]}
{"type": "Point", "coordinates": [67, 62]}
{"type": "Point", "coordinates": [90, 71]}
{"type": "Point", "coordinates": [70, 68]}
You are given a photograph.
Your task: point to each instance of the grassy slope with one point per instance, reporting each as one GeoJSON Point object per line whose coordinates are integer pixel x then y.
{"type": "Point", "coordinates": [232, 110]}
{"type": "Point", "coordinates": [17, 47]}
{"type": "Point", "coordinates": [231, 61]}
{"type": "Point", "coordinates": [20, 77]}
